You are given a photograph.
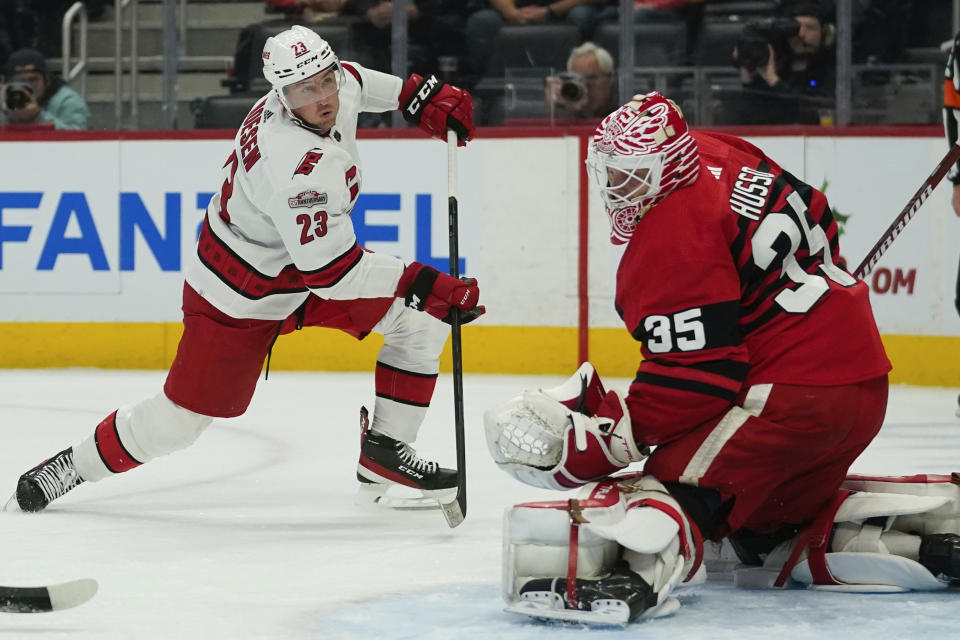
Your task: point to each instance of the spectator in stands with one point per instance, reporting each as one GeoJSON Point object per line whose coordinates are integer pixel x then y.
{"type": "Point", "coordinates": [657, 10]}
{"type": "Point", "coordinates": [586, 90]}
{"type": "Point", "coordinates": [484, 24]}
{"type": "Point", "coordinates": [799, 57]}
{"type": "Point", "coordinates": [310, 10]}
{"type": "Point", "coordinates": [813, 63]}
{"type": "Point", "coordinates": [32, 95]}
{"type": "Point", "coordinates": [435, 29]}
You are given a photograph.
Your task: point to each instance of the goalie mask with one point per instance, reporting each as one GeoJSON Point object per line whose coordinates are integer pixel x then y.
{"type": "Point", "coordinates": [301, 67]}
{"type": "Point", "coordinates": [640, 153]}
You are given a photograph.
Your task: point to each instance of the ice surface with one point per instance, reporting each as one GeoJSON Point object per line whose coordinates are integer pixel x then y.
{"type": "Point", "coordinates": [253, 531]}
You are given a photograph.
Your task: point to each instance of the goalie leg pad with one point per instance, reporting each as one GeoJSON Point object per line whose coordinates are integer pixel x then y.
{"type": "Point", "coordinates": [560, 557]}
{"type": "Point", "coordinates": [944, 519]}
{"type": "Point", "coordinates": [853, 546]}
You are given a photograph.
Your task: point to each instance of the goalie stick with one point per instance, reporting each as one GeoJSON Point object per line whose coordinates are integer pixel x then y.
{"type": "Point", "coordinates": [911, 208]}
{"type": "Point", "coordinates": [456, 510]}
{"type": "Point", "coordinates": [54, 597]}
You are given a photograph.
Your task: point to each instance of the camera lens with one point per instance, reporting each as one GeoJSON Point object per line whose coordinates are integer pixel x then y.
{"type": "Point", "coordinates": [571, 90]}
{"type": "Point", "coordinates": [15, 97]}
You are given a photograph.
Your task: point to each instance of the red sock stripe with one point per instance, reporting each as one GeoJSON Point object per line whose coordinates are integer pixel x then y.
{"type": "Point", "coordinates": [404, 386]}
{"type": "Point", "coordinates": [387, 474]}
{"type": "Point", "coordinates": [116, 458]}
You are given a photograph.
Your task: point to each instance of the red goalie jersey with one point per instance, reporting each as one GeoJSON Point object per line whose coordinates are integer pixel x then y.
{"type": "Point", "coordinates": [737, 280]}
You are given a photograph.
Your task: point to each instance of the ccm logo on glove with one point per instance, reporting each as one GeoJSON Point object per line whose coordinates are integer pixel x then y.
{"type": "Point", "coordinates": [428, 87]}
{"type": "Point", "coordinates": [425, 289]}
{"type": "Point", "coordinates": [435, 106]}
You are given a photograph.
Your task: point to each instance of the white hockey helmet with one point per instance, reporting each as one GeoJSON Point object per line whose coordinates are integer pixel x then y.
{"type": "Point", "coordinates": [639, 154]}
{"type": "Point", "coordinates": [294, 55]}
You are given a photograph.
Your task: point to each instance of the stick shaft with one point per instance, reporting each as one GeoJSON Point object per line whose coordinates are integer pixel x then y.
{"type": "Point", "coordinates": [911, 208]}
{"type": "Point", "coordinates": [455, 342]}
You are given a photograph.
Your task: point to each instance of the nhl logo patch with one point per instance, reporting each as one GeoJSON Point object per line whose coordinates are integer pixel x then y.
{"type": "Point", "coordinates": [307, 199]}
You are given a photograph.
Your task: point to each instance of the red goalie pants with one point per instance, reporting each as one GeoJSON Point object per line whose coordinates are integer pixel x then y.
{"type": "Point", "coordinates": [220, 357]}
{"type": "Point", "coordinates": [780, 454]}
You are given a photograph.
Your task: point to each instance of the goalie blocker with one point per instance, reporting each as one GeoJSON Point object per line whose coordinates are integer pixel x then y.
{"type": "Point", "coordinates": [616, 553]}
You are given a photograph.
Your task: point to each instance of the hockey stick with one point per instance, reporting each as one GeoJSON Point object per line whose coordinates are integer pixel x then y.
{"type": "Point", "coordinates": [456, 510]}
{"type": "Point", "coordinates": [911, 208]}
{"type": "Point", "coordinates": [54, 597]}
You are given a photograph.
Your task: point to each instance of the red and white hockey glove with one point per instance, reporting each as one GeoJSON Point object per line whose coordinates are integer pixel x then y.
{"type": "Point", "coordinates": [435, 106]}
{"type": "Point", "coordinates": [541, 442]}
{"type": "Point", "coordinates": [425, 289]}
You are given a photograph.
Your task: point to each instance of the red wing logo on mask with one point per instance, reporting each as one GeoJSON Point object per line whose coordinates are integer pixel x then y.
{"type": "Point", "coordinates": [308, 162]}
{"type": "Point", "coordinates": [623, 222]}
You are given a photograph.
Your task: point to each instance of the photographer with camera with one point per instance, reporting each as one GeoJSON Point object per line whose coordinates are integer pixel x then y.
{"type": "Point", "coordinates": [31, 95]}
{"type": "Point", "coordinates": [585, 90]}
{"type": "Point", "coordinates": [787, 65]}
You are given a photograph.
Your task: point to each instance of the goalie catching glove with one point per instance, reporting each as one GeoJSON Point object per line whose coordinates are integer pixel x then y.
{"type": "Point", "coordinates": [435, 106]}
{"type": "Point", "coordinates": [425, 289]}
{"type": "Point", "coordinates": [539, 440]}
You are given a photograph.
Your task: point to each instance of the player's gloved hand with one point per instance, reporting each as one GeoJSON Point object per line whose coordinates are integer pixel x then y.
{"type": "Point", "coordinates": [425, 289]}
{"type": "Point", "coordinates": [541, 442]}
{"type": "Point", "coordinates": [435, 106]}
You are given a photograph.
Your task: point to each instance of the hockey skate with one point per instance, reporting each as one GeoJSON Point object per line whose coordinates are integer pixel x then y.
{"type": "Point", "coordinates": [615, 599]}
{"type": "Point", "coordinates": [386, 462]}
{"type": "Point", "coordinates": [47, 481]}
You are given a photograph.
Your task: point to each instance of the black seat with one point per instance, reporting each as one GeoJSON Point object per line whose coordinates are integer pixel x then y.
{"type": "Point", "coordinates": [740, 10]}
{"type": "Point", "coordinates": [735, 105]}
{"type": "Point", "coordinates": [657, 44]}
{"type": "Point", "coordinates": [533, 45]}
{"type": "Point", "coordinates": [222, 112]}
{"type": "Point", "coordinates": [716, 43]}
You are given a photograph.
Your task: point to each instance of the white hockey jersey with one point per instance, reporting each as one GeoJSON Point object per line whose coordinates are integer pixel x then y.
{"type": "Point", "coordinates": [280, 228]}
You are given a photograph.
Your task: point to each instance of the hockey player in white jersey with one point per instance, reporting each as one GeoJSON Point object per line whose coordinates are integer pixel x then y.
{"type": "Point", "coordinates": [277, 252]}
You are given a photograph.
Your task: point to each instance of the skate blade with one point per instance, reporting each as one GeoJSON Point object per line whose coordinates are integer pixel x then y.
{"type": "Point", "coordinates": [12, 505]}
{"type": "Point", "coordinates": [377, 495]}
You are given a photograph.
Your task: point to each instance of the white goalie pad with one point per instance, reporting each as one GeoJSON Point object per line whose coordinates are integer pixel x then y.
{"type": "Point", "coordinates": [631, 516]}
{"type": "Point", "coordinates": [871, 573]}
{"type": "Point", "coordinates": [942, 519]}
{"type": "Point", "coordinates": [874, 539]}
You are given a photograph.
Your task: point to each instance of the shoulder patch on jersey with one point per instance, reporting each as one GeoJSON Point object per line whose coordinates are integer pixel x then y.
{"type": "Point", "coordinates": [716, 171]}
{"type": "Point", "coordinates": [267, 114]}
{"type": "Point", "coordinates": [307, 198]}
{"type": "Point", "coordinates": [308, 162]}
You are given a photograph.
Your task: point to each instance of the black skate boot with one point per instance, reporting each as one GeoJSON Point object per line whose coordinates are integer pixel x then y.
{"type": "Point", "coordinates": [385, 461]}
{"type": "Point", "coordinates": [47, 481]}
{"type": "Point", "coordinates": [617, 598]}
{"type": "Point", "coordinates": [940, 554]}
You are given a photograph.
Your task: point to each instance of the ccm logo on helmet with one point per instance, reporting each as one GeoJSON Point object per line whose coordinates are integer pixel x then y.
{"type": "Point", "coordinates": [307, 61]}
{"type": "Point", "coordinates": [429, 84]}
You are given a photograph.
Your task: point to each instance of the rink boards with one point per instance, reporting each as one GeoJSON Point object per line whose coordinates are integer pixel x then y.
{"type": "Point", "coordinates": [95, 230]}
